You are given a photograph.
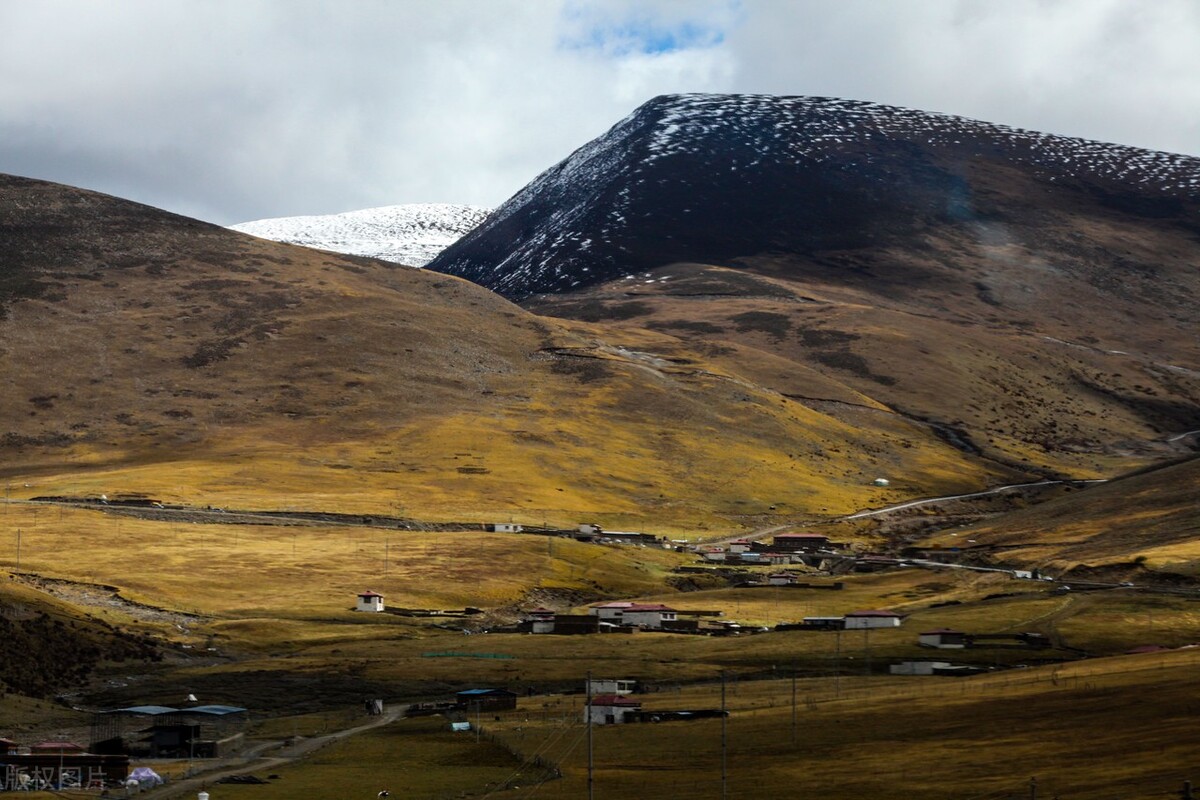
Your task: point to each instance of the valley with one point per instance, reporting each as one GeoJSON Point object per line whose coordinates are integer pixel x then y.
{"type": "Point", "coordinates": [870, 427]}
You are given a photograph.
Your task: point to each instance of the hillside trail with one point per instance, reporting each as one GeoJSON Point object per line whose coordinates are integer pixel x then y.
{"type": "Point", "coordinates": [253, 760]}
{"type": "Point", "coordinates": [927, 501]}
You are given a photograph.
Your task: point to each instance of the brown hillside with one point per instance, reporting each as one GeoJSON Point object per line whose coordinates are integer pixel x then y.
{"type": "Point", "coordinates": [1018, 392]}
{"type": "Point", "coordinates": [1143, 521]}
{"type": "Point", "coordinates": [149, 353]}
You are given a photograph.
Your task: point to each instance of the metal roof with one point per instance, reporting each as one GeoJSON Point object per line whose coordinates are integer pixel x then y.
{"type": "Point", "coordinates": [149, 710]}
{"type": "Point", "coordinates": [219, 711]}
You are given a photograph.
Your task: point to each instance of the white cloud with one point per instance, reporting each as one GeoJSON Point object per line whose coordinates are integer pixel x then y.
{"type": "Point", "coordinates": [242, 109]}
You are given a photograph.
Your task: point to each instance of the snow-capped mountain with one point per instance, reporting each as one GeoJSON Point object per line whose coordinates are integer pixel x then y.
{"type": "Point", "coordinates": [411, 234]}
{"type": "Point", "coordinates": [717, 177]}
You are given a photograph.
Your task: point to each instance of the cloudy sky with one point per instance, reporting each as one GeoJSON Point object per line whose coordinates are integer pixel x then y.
{"type": "Point", "coordinates": [242, 109]}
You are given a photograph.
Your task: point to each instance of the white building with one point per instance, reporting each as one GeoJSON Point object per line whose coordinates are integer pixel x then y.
{"type": "Point", "coordinates": [638, 615]}
{"type": "Point", "coordinates": [866, 620]}
{"type": "Point", "coordinates": [369, 601]}
{"type": "Point", "coordinates": [505, 527]}
{"type": "Point", "coordinates": [943, 639]}
{"type": "Point", "coordinates": [541, 620]}
{"type": "Point", "coordinates": [601, 686]}
{"type": "Point", "coordinates": [783, 579]}
{"type": "Point", "coordinates": [610, 709]}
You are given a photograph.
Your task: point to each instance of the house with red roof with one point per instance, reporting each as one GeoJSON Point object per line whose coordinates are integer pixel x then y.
{"type": "Point", "coordinates": [611, 709]}
{"type": "Point", "coordinates": [866, 620]}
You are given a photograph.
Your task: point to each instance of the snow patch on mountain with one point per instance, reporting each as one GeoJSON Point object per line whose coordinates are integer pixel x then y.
{"type": "Point", "coordinates": [411, 234]}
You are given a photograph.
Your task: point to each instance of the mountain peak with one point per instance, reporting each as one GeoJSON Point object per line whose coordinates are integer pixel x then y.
{"type": "Point", "coordinates": [707, 177]}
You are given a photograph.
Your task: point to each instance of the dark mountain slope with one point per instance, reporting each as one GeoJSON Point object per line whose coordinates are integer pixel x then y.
{"type": "Point", "coordinates": [1033, 297]}
{"type": "Point", "coordinates": [995, 222]}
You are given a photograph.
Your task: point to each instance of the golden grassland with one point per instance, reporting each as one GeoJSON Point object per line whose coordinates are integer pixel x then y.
{"type": "Point", "coordinates": [254, 374]}
{"type": "Point", "coordinates": [1110, 728]}
{"type": "Point", "coordinates": [417, 758]}
{"type": "Point", "coordinates": [277, 598]}
{"type": "Point", "coordinates": [264, 571]}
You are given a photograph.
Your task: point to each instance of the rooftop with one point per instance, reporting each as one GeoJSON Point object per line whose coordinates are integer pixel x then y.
{"type": "Point", "coordinates": [614, 700]}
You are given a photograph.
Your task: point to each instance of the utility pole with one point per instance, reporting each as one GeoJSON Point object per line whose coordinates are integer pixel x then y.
{"type": "Point", "coordinates": [1186, 794]}
{"type": "Point", "coordinates": [724, 743]}
{"type": "Point", "coordinates": [837, 664]}
{"type": "Point", "coordinates": [1033, 789]}
{"type": "Point", "coordinates": [587, 715]}
{"type": "Point", "coordinates": [793, 703]}
{"type": "Point", "coordinates": [867, 651]}
{"type": "Point", "coordinates": [18, 548]}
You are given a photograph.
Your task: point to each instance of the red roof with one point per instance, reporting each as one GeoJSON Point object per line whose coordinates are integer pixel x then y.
{"type": "Point", "coordinates": [875, 613]}
{"type": "Point", "coordinates": [57, 746]}
{"type": "Point", "coordinates": [616, 604]}
{"type": "Point", "coordinates": [614, 700]}
{"type": "Point", "coordinates": [648, 607]}
{"type": "Point", "coordinates": [369, 594]}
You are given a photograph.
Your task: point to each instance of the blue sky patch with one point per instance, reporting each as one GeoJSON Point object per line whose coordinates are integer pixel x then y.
{"type": "Point", "coordinates": [618, 29]}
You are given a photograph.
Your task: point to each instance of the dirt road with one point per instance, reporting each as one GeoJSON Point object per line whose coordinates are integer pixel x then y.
{"type": "Point", "coordinates": [254, 761]}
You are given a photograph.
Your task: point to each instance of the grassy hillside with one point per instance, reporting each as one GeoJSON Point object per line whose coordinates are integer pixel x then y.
{"type": "Point", "coordinates": [148, 353]}
{"type": "Point", "coordinates": [1142, 525]}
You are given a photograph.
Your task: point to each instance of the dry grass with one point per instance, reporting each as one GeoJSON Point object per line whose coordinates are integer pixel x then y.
{"type": "Point", "coordinates": [418, 758]}
{"type": "Point", "coordinates": [1111, 728]}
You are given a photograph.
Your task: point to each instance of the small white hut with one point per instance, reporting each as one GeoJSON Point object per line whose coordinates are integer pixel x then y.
{"type": "Point", "coordinates": [369, 601]}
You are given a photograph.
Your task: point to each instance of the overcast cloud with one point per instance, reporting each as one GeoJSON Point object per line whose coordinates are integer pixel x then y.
{"type": "Point", "coordinates": [238, 110]}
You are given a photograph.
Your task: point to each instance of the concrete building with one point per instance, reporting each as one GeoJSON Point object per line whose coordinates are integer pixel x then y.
{"type": "Point", "coordinates": [610, 709]}
{"type": "Point", "coordinates": [866, 620]}
{"type": "Point", "coordinates": [602, 686]}
{"type": "Point", "coordinates": [637, 615]}
{"type": "Point", "coordinates": [369, 601]}
{"type": "Point", "coordinates": [943, 638]}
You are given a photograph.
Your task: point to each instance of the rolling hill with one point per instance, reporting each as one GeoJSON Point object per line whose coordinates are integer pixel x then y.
{"type": "Point", "coordinates": [151, 354]}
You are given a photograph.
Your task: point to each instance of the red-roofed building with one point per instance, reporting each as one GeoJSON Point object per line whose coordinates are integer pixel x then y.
{"type": "Point", "coordinates": [865, 620]}
{"type": "Point", "coordinates": [610, 709]}
{"type": "Point", "coordinates": [541, 620]}
{"type": "Point", "coordinates": [56, 748]}
{"type": "Point", "coordinates": [7, 746]}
